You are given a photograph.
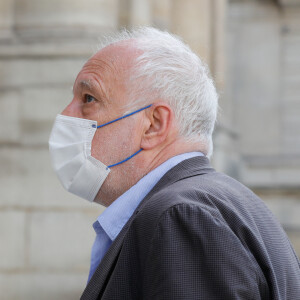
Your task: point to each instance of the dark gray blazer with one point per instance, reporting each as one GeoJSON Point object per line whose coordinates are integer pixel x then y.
{"type": "Point", "coordinates": [198, 234]}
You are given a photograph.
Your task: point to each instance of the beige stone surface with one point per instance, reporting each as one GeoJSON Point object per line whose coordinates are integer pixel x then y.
{"type": "Point", "coordinates": [13, 237]}
{"type": "Point", "coordinates": [269, 176]}
{"type": "Point", "coordinates": [10, 116]}
{"type": "Point", "coordinates": [291, 83]}
{"type": "Point", "coordinates": [218, 64]}
{"type": "Point", "coordinates": [162, 13]}
{"type": "Point", "coordinates": [263, 83]}
{"type": "Point", "coordinates": [140, 12]}
{"type": "Point", "coordinates": [58, 18]}
{"type": "Point", "coordinates": [27, 180]}
{"type": "Point", "coordinates": [6, 19]}
{"type": "Point", "coordinates": [39, 107]}
{"type": "Point", "coordinates": [19, 73]}
{"type": "Point", "coordinates": [41, 285]}
{"type": "Point", "coordinates": [44, 103]}
{"type": "Point", "coordinates": [192, 21]}
{"type": "Point", "coordinates": [289, 2]}
{"type": "Point", "coordinates": [256, 72]}
{"type": "Point", "coordinates": [286, 208]}
{"type": "Point", "coordinates": [61, 241]}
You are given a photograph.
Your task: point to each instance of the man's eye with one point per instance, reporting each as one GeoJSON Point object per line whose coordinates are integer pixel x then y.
{"type": "Point", "coordinates": [89, 98]}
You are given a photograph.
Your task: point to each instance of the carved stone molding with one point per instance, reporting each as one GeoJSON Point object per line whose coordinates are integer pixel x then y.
{"type": "Point", "coordinates": [64, 18]}
{"type": "Point", "coordinates": [289, 2]}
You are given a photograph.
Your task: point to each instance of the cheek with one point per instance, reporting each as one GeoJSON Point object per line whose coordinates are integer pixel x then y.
{"type": "Point", "coordinates": [113, 144]}
{"type": "Point", "coordinates": [100, 144]}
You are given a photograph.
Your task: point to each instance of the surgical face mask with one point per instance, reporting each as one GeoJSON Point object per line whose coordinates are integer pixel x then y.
{"type": "Point", "coordinates": [70, 145]}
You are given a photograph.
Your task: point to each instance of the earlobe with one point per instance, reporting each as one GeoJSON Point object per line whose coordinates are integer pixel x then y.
{"type": "Point", "coordinates": [158, 125]}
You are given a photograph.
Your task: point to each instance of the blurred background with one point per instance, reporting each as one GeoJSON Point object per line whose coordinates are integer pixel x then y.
{"type": "Point", "coordinates": [252, 48]}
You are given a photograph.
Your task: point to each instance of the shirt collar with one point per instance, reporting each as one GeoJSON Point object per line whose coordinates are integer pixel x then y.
{"type": "Point", "coordinates": [113, 219]}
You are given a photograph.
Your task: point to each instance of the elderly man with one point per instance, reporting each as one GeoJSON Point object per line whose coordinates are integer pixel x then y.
{"type": "Point", "coordinates": [136, 138]}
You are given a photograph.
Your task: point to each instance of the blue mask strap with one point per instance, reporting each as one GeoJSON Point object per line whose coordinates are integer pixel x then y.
{"type": "Point", "coordinates": [125, 116]}
{"type": "Point", "coordinates": [134, 154]}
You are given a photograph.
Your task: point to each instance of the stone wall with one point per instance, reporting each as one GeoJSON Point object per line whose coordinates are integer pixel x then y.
{"type": "Point", "coordinates": [263, 85]}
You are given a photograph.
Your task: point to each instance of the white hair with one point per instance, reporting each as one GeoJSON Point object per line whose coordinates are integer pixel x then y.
{"type": "Point", "coordinates": [168, 70]}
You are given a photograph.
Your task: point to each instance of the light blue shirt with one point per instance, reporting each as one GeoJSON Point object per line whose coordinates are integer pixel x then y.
{"type": "Point", "coordinates": [112, 220]}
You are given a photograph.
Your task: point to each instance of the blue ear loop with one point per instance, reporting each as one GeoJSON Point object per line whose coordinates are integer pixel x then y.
{"type": "Point", "coordinates": [123, 117]}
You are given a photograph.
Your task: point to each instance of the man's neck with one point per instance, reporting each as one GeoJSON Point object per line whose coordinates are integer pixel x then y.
{"type": "Point", "coordinates": [170, 150]}
{"type": "Point", "coordinates": [129, 173]}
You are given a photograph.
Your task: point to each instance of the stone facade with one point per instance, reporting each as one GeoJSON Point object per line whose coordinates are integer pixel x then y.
{"type": "Point", "coordinates": [263, 85]}
{"type": "Point", "coordinates": [46, 233]}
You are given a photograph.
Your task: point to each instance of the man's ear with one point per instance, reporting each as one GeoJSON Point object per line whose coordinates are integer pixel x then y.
{"type": "Point", "coordinates": [160, 121]}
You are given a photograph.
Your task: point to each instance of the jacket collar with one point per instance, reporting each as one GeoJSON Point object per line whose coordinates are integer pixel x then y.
{"type": "Point", "coordinates": [188, 168]}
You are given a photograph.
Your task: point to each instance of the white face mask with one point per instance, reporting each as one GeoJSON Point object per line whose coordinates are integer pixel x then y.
{"type": "Point", "coordinates": [70, 145]}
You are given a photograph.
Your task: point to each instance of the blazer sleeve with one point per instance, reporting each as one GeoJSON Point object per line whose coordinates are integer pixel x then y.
{"type": "Point", "coordinates": [194, 255]}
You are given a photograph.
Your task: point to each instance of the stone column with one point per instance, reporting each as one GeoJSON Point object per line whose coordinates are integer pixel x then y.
{"type": "Point", "coordinates": [140, 13]}
{"type": "Point", "coordinates": [157, 13]}
{"type": "Point", "coordinates": [201, 23]}
{"type": "Point", "coordinates": [264, 85]}
{"type": "Point", "coordinates": [162, 13]}
{"type": "Point", "coordinates": [225, 156]}
{"type": "Point", "coordinates": [192, 21]}
{"type": "Point", "coordinates": [218, 20]}
{"type": "Point", "coordinates": [6, 19]}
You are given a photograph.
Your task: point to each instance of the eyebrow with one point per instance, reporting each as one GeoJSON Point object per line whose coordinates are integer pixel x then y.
{"type": "Point", "coordinates": [84, 84]}
{"type": "Point", "coordinates": [87, 85]}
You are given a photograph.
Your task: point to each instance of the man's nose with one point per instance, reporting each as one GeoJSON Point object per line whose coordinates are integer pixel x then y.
{"type": "Point", "coordinates": [72, 110]}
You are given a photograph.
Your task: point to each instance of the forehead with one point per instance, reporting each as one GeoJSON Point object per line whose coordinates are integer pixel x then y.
{"type": "Point", "coordinates": [110, 66]}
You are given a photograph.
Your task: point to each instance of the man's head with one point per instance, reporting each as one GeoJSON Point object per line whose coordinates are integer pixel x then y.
{"type": "Point", "coordinates": [132, 70]}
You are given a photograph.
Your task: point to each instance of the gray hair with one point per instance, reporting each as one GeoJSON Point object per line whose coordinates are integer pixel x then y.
{"type": "Point", "coordinates": [167, 69]}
